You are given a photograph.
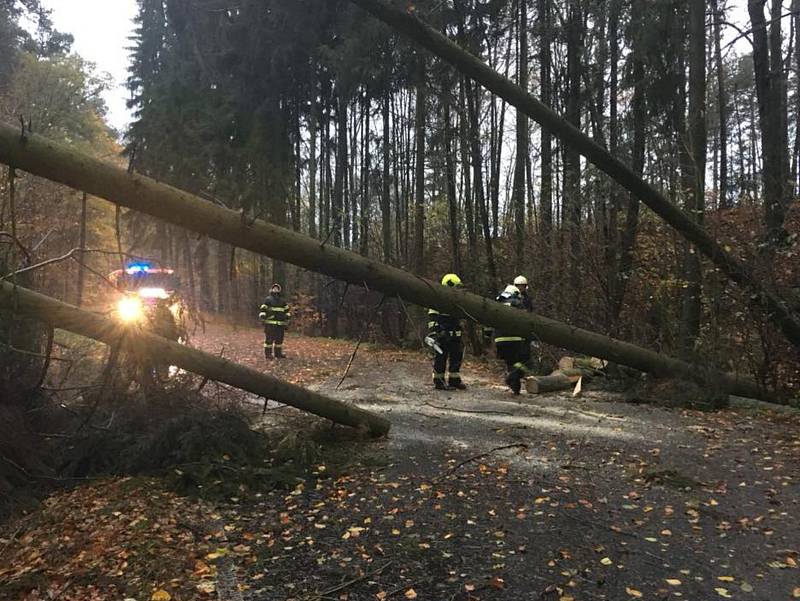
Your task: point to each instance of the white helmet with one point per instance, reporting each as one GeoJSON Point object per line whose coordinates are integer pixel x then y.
{"type": "Point", "coordinates": [520, 280]}
{"type": "Point", "coordinates": [511, 290]}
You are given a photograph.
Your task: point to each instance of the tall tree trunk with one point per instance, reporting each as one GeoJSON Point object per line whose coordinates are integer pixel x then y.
{"type": "Point", "coordinates": [692, 294]}
{"type": "Point", "coordinates": [338, 205]}
{"type": "Point", "coordinates": [546, 191]}
{"type": "Point", "coordinates": [795, 189]}
{"type": "Point", "coordinates": [386, 214]}
{"type": "Point", "coordinates": [518, 195]}
{"type": "Point", "coordinates": [612, 245]}
{"type": "Point", "coordinates": [722, 102]}
{"type": "Point", "coordinates": [770, 82]}
{"type": "Point", "coordinates": [464, 146]}
{"type": "Point", "coordinates": [313, 123]}
{"type": "Point", "coordinates": [190, 266]}
{"type": "Point", "coordinates": [82, 254]}
{"type": "Point", "coordinates": [223, 277]}
{"type": "Point", "coordinates": [294, 205]}
{"type": "Point", "coordinates": [325, 170]}
{"type": "Point", "coordinates": [204, 275]}
{"type": "Point", "coordinates": [628, 238]}
{"type": "Point", "coordinates": [351, 199]}
{"type": "Point", "coordinates": [366, 167]}
{"type": "Point", "coordinates": [419, 176]}
{"type": "Point", "coordinates": [572, 160]}
{"type": "Point", "coordinates": [473, 107]}
{"type": "Point", "coordinates": [450, 176]}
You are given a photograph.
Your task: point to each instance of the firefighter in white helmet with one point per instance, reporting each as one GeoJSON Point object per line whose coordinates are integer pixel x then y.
{"type": "Point", "coordinates": [512, 348]}
{"type": "Point", "coordinates": [521, 282]}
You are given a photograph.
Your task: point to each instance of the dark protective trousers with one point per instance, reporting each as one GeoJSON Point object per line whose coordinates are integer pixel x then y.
{"type": "Point", "coordinates": [516, 355]}
{"type": "Point", "coordinates": [273, 334]}
{"type": "Point", "coordinates": [452, 357]}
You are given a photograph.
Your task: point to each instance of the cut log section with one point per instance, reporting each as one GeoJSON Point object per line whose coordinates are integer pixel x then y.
{"type": "Point", "coordinates": [552, 383]}
{"type": "Point", "coordinates": [68, 317]}
{"type": "Point", "coordinates": [59, 163]}
{"type": "Point", "coordinates": [592, 364]}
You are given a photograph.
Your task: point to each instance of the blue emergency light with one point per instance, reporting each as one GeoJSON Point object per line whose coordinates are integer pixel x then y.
{"type": "Point", "coordinates": [133, 268]}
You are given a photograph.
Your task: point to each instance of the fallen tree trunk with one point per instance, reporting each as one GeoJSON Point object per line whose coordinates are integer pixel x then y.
{"type": "Point", "coordinates": [59, 163]}
{"type": "Point", "coordinates": [551, 383]}
{"type": "Point", "coordinates": [68, 317]}
{"type": "Point", "coordinates": [778, 310]}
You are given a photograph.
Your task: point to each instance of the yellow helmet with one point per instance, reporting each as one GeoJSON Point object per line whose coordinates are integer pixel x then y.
{"type": "Point", "coordinates": [451, 279]}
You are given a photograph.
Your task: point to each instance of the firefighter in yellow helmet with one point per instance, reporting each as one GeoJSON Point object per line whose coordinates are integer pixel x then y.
{"type": "Point", "coordinates": [444, 337]}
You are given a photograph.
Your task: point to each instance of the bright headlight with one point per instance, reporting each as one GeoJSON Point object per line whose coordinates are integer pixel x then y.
{"type": "Point", "coordinates": [130, 309]}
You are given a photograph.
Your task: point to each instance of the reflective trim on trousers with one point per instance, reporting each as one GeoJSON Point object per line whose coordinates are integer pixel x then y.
{"type": "Point", "coordinates": [522, 368]}
{"type": "Point", "coordinates": [509, 339]}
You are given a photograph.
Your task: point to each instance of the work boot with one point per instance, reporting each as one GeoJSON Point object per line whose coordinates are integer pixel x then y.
{"type": "Point", "coordinates": [279, 353]}
{"type": "Point", "coordinates": [268, 352]}
{"type": "Point", "coordinates": [456, 383]}
{"type": "Point", "coordinates": [440, 384]}
{"type": "Point", "coordinates": [514, 382]}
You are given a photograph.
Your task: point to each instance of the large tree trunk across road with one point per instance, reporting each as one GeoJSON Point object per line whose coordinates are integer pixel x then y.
{"type": "Point", "coordinates": [777, 309]}
{"type": "Point", "coordinates": [21, 301]}
{"type": "Point", "coordinates": [45, 158]}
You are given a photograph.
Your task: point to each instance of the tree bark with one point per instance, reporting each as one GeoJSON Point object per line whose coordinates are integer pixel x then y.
{"type": "Point", "coordinates": [572, 201]}
{"type": "Point", "coordinates": [419, 174]}
{"type": "Point", "coordinates": [61, 164]}
{"type": "Point", "coordinates": [469, 213]}
{"type": "Point", "coordinates": [366, 167]}
{"type": "Point", "coordinates": [473, 107]}
{"type": "Point", "coordinates": [71, 318]}
{"type": "Point", "coordinates": [82, 254]}
{"type": "Point", "coordinates": [450, 176]}
{"type": "Point", "coordinates": [386, 213]}
{"type": "Point", "coordinates": [518, 195]}
{"type": "Point", "coordinates": [722, 102]}
{"type": "Point", "coordinates": [770, 82]}
{"type": "Point", "coordinates": [546, 191]}
{"type": "Point", "coordinates": [313, 124]}
{"type": "Point", "coordinates": [776, 307]}
{"type": "Point", "coordinates": [338, 205]}
{"type": "Point", "coordinates": [551, 383]}
{"type": "Point", "coordinates": [693, 273]}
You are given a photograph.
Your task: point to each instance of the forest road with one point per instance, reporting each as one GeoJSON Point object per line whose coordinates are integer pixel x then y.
{"type": "Point", "coordinates": [483, 495]}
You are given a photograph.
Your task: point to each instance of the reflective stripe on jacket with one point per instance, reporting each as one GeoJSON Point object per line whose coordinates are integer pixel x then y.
{"type": "Point", "coordinates": [443, 323]}
{"type": "Point", "coordinates": [274, 311]}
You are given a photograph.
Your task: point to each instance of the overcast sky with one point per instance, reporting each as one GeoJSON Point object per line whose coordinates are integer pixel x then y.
{"type": "Point", "coordinates": [101, 29]}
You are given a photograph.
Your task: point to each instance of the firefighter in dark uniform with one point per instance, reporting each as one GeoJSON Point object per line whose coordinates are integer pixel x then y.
{"type": "Point", "coordinates": [512, 348]}
{"type": "Point", "coordinates": [275, 316]}
{"type": "Point", "coordinates": [445, 330]}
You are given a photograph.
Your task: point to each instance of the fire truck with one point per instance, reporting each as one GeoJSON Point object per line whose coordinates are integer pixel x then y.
{"type": "Point", "coordinates": [150, 298]}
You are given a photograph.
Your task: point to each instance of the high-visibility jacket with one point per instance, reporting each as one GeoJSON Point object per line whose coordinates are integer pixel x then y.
{"type": "Point", "coordinates": [443, 324]}
{"type": "Point", "coordinates": [510, 300]}
{"type": "Point", "coordinates": [274, 311]}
